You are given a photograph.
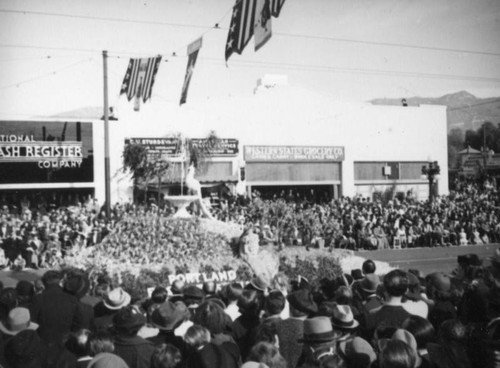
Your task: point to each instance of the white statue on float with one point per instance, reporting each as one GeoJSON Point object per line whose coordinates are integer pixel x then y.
{"type": "Point", "coordinates": [194, 188]}
{"type": "Point", "coordinates": [194, 196]}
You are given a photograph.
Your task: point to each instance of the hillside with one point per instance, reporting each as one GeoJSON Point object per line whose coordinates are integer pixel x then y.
{"type": "Point", "coordinates": [465, 111]}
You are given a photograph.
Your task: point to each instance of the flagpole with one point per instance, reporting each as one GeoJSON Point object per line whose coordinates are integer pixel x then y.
{"type": "Point", "coordinates": [107, 181]}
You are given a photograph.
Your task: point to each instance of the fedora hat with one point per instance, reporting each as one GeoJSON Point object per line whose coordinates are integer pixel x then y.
{"type": "Point", "coordinates": [370, 283]}
{"type": "Point", "coordinates": [19, 319]}
{"type": "Point", "coordinates": [128, 317]}
{"type": "Point", "coordinates": [117, 299]}
{"type": "Point", "coordinates": [77, 284]}
{"type": "Point", "coordinates": [358, 349]}
{"type": "Point", "coordinates": [302, 301]}
{"type": "Point", "coordinates": [343, 317]}
{"type": "Point", "coordinates": [169, 315]}
{"type": "Point", "coordinates": [193, 292]}
{"type": "Point", "coordinates": [318, 330]}
{"type": "Point", "coordinates": [258, 283]}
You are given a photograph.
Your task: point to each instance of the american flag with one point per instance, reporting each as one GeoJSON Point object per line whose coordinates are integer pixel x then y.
{"type": "Point", "coordinates": [241, 27]}
{"type": "Point", "coordinates": [276, 6]}
{"type": "Point", "coordinates": [242, 24]}
{"type": "Point", "coordinates": [140, 77]}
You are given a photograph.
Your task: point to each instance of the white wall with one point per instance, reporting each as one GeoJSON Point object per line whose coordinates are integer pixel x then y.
{"type": "Point", "coordinates": [291, 116]}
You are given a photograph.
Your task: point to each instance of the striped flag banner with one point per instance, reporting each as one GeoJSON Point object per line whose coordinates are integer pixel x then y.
{"type": "Point", "coordinates": [276, 6]}
{"type": "Point", "coordinates": [262, 27]}
{"type": "Point", "coordinates": [192, 51]}
{"type": "Point", "coordinates": [140, 77]}
{"type": "Point", "coordinates": [241, 27]}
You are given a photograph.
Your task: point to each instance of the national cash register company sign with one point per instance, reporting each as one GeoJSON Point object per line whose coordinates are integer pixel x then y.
{"type": "Point", "coordinates": [293, 153]}
{"type": "Point", "coordinates": [32, 152]}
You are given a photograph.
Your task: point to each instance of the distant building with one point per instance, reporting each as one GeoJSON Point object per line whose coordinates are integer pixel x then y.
{"type": "Point", "coordinates": [279, 138]}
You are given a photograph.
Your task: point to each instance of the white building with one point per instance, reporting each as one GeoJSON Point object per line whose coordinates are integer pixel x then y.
{"type": "Point", "coordinates": [286, 137]}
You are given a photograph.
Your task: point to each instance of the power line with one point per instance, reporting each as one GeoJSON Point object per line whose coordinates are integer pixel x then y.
{"type": "Point", "coordinates": [389, 44]}
{"type": "Point", "coordinates": [107, 19]}
{"type": "Point", "coordinates": [321, 68]}
{"type": "Point", "coordinates": [44, 75]}
{"type": "Point", "coordinates": [284, 34]}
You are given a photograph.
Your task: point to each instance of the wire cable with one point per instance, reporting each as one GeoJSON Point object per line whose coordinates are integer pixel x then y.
{"type": "Point", "coordinates": [284, 34]}
{"type": "Point", "coordinates": [45, 75]}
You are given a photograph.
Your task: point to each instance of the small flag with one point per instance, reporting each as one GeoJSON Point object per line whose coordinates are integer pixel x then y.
{"type": "Point", "coordinates": [262, 28]}
{"type": "Point", "coordinates": [241, 27]}
{"type": "Point", "coordinates": [276, 6]}
{"type": "Point", "coordinates": [139, 79]}
{"type": "Point", "coordinates": [192, 51]}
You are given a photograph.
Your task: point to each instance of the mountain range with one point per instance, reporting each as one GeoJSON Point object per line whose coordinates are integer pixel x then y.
{"type": "Point", "coordinates": [465, 111]}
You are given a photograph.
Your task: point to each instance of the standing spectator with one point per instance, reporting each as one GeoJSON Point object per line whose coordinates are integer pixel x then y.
{"type": "Point", "coordinates": [134, 350]}
{"type": "Point", "coordinates": [392, 312]}
{"type": "Point", "coordinates": [57, 312]}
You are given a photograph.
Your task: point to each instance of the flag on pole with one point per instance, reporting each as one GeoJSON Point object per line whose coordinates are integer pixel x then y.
{"type": "Point", "coordinates": [276, 6]}
{"type": "Point", "coordinates": [192, 50]}
{"type": "Point", "coordinates": [139, 79]}
{"type": "Point", "coordinates": [262, 27]}
{"type": "Point", "coordinates": [241, 27]}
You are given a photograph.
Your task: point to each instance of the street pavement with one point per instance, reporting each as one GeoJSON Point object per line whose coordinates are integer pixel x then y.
{"type": "Point", "coordinates": [429, 260]}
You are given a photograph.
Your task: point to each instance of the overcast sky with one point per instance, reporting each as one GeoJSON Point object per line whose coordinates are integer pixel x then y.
{"type": "Point", "coordinates": [356, 50]}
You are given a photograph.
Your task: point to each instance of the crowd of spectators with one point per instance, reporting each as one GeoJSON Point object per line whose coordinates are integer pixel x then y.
{"type": "Point", "coordinates": [401, 319]}
{"type": "Point", "coordinates": [39, 234]}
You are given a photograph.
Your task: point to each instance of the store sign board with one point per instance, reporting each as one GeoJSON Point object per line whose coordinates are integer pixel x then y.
{"type": "Point", "coordinates": [159, 147]}
{"type": "Point", "coordinates": [225, 146]}
{"type": "Point", "coordinates": [45, 152]}
{"type": "Point", "coordinates": [293, 153]}
{"type": "Point", "coordinates": [171, 147]}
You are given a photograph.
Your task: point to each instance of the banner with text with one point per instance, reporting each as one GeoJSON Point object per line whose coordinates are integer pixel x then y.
{"type": "Point", "coordinates": [293, 153]}
{"type": "Point", "coordinates": [46, 152]}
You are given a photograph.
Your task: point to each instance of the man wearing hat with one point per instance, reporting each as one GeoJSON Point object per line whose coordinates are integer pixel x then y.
{"type": "Point", "coordinates": [57, 312]}
{"type": "Point", "coordinates": [290, 330]}
{"type": "Point", "coordinates": [19, 319]}
{"type": "Point", "coordinates": [357, 353]}
{"type": "Point", "coordinates": [343, 322]}
{"type": "Point", "coordinates": [167, 317]}
{"type": "Point", "coordinates": [320, 344]}
{"type": "Point", "coordinates": [78, 284]}
{"type": "Point", "coordinates": [105, 310]}
{"type": "Point", "coordinates": [134, 350]}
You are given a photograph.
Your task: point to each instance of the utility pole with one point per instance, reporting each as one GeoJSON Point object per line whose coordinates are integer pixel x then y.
{"type": "Point", "coordinates": [107, 176]}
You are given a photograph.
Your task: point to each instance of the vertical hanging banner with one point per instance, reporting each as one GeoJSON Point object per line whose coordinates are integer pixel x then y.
{"type": "Point", "coordinates": [139, 79]}
{"type": "Point", "coordinates": [262, 27]}
{"type": "Point", "coordinates": [192, 50]}
{"type": "Point", "coordinates": [241, 27]}
{"type": "Point", "coordinates": [276, 6]}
